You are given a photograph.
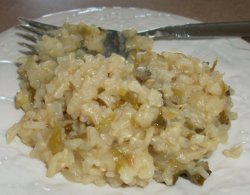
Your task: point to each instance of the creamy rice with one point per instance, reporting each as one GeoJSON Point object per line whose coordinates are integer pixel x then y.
{"type": "Point", "coordinates": [100, 120]}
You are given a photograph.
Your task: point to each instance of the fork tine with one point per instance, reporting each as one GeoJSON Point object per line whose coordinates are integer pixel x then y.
{"type": "Point", "coordinates": [33, 30]}
{"type": "Point", "coordinates": [36, 31]}
{"type": "Point", "coordinates": [28, 37]}
{"type": "Point", "coordinates": [36, 24]}
{"type": "Point", "coordinates": [29, 46]}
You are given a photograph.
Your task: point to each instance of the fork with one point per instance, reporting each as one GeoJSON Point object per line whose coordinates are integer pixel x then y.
{"type": "Point", "coordinates": [115, 40]}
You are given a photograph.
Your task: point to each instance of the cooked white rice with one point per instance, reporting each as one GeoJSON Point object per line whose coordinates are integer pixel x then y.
{"type": "Point", "coordinates": [110, 120]}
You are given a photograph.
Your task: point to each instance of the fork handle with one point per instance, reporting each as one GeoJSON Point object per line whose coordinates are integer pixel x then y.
{"type": "Point", "coordinates": [199, 30]}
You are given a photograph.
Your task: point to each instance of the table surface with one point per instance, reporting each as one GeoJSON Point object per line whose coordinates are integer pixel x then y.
{"type": "Point", "coordinates": [204, 10]}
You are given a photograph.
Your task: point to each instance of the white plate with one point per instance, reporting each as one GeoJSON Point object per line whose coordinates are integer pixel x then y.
{"type": "Point", "coordinates": [22, 175]}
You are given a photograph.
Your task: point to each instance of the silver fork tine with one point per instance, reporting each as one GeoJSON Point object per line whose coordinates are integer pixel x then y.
{"type": "Point", "coordinates": [33, 30]}
{"type": "Point", "coordinates": [36, 31]}
{"type": "Point", "coordinates": [28, 37]}
{"type": "Point", "coordinates": [34, 27]}
{"type": "Point", "coordinates": [29, 46]}
{"type": "Point", "coordinates": [36, 24]}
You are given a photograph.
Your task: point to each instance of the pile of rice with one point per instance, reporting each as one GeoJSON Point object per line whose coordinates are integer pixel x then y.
{"type": "Point", "coordinates": [101, 120]}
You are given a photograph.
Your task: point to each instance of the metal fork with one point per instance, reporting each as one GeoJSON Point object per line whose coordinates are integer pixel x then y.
{"type": "Point", "coordinates": [115, 40]}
